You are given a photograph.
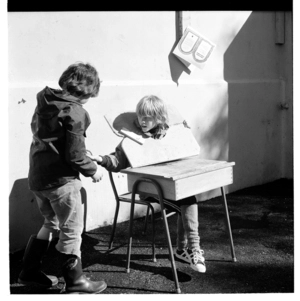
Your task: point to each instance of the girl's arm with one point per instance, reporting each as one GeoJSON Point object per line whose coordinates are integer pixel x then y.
{"type": "Point", "coordinates": [113, 162]}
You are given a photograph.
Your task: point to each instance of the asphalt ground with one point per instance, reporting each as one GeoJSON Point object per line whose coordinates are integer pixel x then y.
{"type": "Point", "coordinates": [262, 222]}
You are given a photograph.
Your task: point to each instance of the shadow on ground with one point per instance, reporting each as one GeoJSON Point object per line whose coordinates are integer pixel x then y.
{"type": "Point", "coordinates": [262, 222]}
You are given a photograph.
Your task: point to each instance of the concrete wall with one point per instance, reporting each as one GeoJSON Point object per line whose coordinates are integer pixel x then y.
{"type": "Point", "coordinates": [232, 105]}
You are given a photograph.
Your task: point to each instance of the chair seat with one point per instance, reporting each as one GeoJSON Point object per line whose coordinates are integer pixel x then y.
{"type": "Point", "coordinates": [170, 206]}
{"type": "Point", "coordinates": [126, 197]}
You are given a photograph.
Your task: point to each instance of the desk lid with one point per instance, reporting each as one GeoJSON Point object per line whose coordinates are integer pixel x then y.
{"type": "Point", "coordinates": [178, 169]}
{"type": "Point", "coordinates": [178, 143]}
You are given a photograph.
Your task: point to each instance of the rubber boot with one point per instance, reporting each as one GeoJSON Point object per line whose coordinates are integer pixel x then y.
{"type": "Point", "coordinates": [32, 263]}
{"type": "Point", "coordinates": [76, 282]}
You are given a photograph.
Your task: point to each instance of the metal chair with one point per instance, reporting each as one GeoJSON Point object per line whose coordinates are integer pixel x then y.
{"type": "Point", "coordinates": [164, 218]}
{"type": "Point", "coordinates": [149, 201]}
{"type": "Point", "coordinates": [126, 197]}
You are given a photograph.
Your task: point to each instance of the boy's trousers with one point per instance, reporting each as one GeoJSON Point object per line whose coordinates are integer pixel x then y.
{"type": "Point", "coordinates": [62, 210]}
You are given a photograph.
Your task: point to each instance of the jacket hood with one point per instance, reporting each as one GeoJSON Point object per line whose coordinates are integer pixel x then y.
{"type": "Point", "coordinates": [51, 101]}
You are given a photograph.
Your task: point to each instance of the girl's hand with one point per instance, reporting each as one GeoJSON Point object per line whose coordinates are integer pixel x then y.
{"type": "Point", "coordinates": [90, 155]}
{"type": "Point", "coordinates": [96, 158]}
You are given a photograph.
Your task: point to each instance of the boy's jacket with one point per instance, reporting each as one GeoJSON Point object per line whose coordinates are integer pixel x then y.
{"type": "Point", "coordinates": [57, 152]}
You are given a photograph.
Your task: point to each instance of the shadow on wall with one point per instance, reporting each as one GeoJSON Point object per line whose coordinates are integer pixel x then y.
{"type": "Point", "coordinates": [214, 144]}
{"type": "Point", "coordinates": [24, 216]}
{"type": "Point", "coordinates": [176, 66]}
{"type": "Point", "coordinates": [214, 141]}
{"type": "Point", "coordinates": [252, 72]}
{"type": "Point", "coordinates": [238, 58]}
{"type": "Point", "coordinates": [248, 55]}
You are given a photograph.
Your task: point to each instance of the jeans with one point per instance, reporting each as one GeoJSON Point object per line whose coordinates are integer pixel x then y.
{"type": "Point", "coordinates": [62, 209]}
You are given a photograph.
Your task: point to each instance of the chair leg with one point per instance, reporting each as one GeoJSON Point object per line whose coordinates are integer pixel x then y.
{"type": "Point", "coordinates": [227, 223]}
{"type": "Point", "coordinates": [130, 231]}
{"type": "Point", "coordinates": [153, 233]}
{"type": "Point", "coordinates": [146, 220]}
{"type": "Point", "coordinates": [114, 226]}
{"type": "Point", "coordinates": [163, 212]}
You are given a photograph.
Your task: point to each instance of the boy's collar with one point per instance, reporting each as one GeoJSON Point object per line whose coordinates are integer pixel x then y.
{"type": "Point", "coordinates": [68, 97]}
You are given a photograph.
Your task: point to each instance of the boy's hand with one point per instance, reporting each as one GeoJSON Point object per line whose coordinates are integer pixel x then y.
{"type": "Point", "coordinates": [97, 177]}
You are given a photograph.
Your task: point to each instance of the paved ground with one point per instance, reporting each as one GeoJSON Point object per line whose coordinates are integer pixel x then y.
{"type": "Point", "coordinates": [262, 221]}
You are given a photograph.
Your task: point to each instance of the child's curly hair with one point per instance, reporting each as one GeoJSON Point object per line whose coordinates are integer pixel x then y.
{"type": "Point", "coordinates": [80, 80]}
{"type": "Point", "coordinates": [153, 106]}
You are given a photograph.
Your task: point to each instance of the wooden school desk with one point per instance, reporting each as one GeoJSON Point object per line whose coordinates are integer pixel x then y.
{"type": "Point", "coordinates": [177, 180]}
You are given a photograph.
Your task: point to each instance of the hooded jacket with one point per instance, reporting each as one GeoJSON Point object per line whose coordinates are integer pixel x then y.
{"type": "Point", "coordinates": [57, 152]}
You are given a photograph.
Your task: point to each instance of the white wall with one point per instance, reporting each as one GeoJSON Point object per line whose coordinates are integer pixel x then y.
{"type": "Point", "coordinates": [231, 105]}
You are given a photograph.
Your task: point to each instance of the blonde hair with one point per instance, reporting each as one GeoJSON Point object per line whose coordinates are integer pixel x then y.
{"type": "Point", "coordinates": [152, 106]}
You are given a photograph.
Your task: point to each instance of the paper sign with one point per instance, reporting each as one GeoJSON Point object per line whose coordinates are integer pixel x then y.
{"type": "Point", "coordinates": [194, 49]}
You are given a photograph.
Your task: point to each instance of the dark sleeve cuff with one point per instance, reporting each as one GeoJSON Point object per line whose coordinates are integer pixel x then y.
{"type": "Point", "coordinates": [104, 161]}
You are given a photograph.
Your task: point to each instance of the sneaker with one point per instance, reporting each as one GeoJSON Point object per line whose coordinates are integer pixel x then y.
{"type": "Point", "coordinates": [194, 258]}
{"type": "Point", "coordinates": [197, 260]}
{"type": "Point", "coordinates": [183, 255]}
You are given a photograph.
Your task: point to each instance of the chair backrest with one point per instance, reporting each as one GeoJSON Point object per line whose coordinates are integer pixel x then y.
{"type": "Point", "coordinates": [120, 191]}
{"type": "Point", "coordinates": [112, 182]}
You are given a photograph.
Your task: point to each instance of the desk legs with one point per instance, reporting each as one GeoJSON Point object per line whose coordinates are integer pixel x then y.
{"type": "Point", "coordinates": [164, 217]}
{"type": "Point", "coordinates": [228, 224]}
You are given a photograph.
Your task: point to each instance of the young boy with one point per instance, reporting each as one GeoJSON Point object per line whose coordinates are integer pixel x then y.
{"type": "Point", "coordinates": [152, 119]}
{"type": "Point", "coordinates": [57, 158]}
